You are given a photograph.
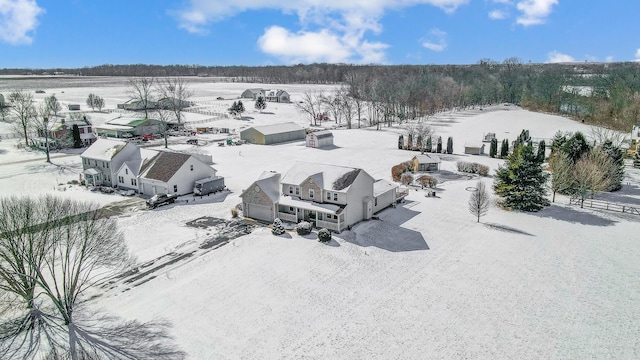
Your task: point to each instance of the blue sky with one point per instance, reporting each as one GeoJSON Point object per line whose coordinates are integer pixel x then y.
{"type": "Point", "coordinates": [78, 33]}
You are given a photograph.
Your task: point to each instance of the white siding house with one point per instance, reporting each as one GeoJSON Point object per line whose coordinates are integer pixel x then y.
{"type": "Point", "coordinates": [102, 160]}
{"type": "Point", "coordinates": [172, 173]}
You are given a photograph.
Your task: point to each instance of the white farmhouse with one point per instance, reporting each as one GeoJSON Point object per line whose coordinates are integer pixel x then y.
{"type": "Point", "coordinates": [102, 160]}
{"type": "Point", "coordinates": [172, 173]}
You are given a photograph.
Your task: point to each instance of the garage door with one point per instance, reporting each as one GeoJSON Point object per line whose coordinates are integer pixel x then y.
{"type": "Point", "coordinates": [259, 212]}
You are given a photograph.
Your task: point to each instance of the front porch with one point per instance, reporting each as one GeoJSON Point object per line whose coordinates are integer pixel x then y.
{"type": "Point", "coordinates": [93, 176]}
{"type": "Point", "coordinates": [328, 216]}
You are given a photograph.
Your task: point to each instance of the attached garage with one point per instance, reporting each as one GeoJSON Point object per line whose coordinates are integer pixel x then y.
{"type": "Point", "coordinates": [259, 212]}
{"type": "Point", "coordinates": [273, 134]}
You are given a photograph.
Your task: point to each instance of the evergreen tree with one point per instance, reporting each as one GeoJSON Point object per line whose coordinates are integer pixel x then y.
{"type": "Point", "coordinates": [429, 145]}
{"type": "Point", "coordinates": [419, 143]}
{"type": "Point", "coordinates": [504, 149]}
{"type": "Point", "coordinates": [636, 160]}
{"type": "Point", "coordinates": [75, 131]}
{"type": "Point", "coordinates": [278, 228]}
{"type": "Point", "coordinates": [617, 158]}
{"type": "Point", "coordinates": [450, 145]}
{"type": "Point", "coordinates": [575, 146]}
{"type": "Point", "coordinates": [558, 140]}
{"type": "Point", "coordinates": [439, 145]}
{"type": "Point", "coordinates": [409, 142]}
{"type": "Point", "coordinates": [400, 142]}
{"type": "Point", "coordinates": [493, 148]}
{"type": "Point", "coordinates": [240, 108]}
{"type": "Point", "coordinates": [521, 181]}
{"type": "Point", "coordinates": [233, 110]}
{"type": "Point", "coordinates": [260, 104]}
{"type": "Point", "coordinates": [542, 147]}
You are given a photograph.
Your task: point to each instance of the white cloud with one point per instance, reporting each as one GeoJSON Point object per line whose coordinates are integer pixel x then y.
{"type": "Point", "coordinates": [18, 18]}
{"type": "Point", "coordinates": [437, 41]}
{"type": "Point", "coordinates": [609, 58]}
{"type": "Point", "coordinates": [638, 55]}
{"type": "Point", "coordinates": [498, 15]}
{"type": "Point", "coordinates": [343, 23]}
{"type": "Point", "coordinates": [556, 57]}
{"type": "Point", "coordinates": [534, 12]}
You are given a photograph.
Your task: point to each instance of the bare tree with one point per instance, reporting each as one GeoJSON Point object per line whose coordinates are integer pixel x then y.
{"type": "Point", "coordinates": [479, 201]}
{"type": "Point", "coordinates": [561, 173]}
{"type": "Point", "coordinates": [53, 105]}
{"type": "Point", "coordinates": [591, 174]}
{"type": "Point", "coordinates": [141, 89]}
{"type": "Point", "coordinates": [4, 112]}
{"type": "Point", "coordinates": [333, 103]}
{"type": "Point", "coordinates": [347, 105]}
{"type": "Point", "coordinates": [165, 117]}
{"type": "Point", "coordinates": [176, 95]}
{"type": "Point", "coordinates": [311, 105]}
{"type": "Point", "coordinates": [602, 135]}
{"type": "Point", "coordinates": [24, 111]}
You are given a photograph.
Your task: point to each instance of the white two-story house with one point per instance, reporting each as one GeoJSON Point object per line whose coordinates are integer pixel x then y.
{"type": "Point", "coordinates": [329, 196]}
{"type": "Point", "coordinates": [101, 161]}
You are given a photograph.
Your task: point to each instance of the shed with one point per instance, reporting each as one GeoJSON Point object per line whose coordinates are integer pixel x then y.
{"type": "Point", "coordinates": [273, 134]}
{"type": "Point", "coordinates": [425, 162]}
{"type": "Point", "coordinates": [474, 148]}
{"type": "Point", "coordinates": [319, 139]}
{"type": "Point", "coordinates": [73, 107]}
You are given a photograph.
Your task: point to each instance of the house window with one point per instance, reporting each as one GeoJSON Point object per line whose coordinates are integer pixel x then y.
{"type": "Point", "coordinates": [319, 216]}
{"type": "Point", "coordinates": [191, 167]}
{"type": "Point", "coordinates": [375, 202]}
{"type": "Point", "coordinates": [126, 171]}
{"type": "Point", "coordinates": [290, 189]}
{"type": "Point", "coordinates": [297, 190]}
{"type": "Point", "coordinates": [81, 130]}
{"type": "Point", "coordinates": [335, 197]}
{"type": "Point", "coordinates": [134, 182]}
{"type": "Point", "coordinates": [335, 217]}
{"type": "Point", "coordinates": [175, 188]}
{"type": "Point", "coordinates": [311, 193]}
{"type": "Point", "coordinates": [290, 208]}
{"type": "Point", "coordinates": [121, 179]}
{"type": "Point", "coordinates": [328, 196]}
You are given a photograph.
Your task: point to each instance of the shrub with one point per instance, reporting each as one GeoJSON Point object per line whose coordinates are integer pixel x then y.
{"type": "Point", "coordinates": [324, 235]}
{"type": "Point", "coordinates": [234, 213]}
{"type": "Point", "coordinates": [472, 168]}
{"type": "Point", "coordinates": [396, 172]}
{"type": "Point", "coordinates": [406, 179]}
{"type": "Point", "coordinates": [278, 228]}
{"type": "Point", "coordinates": [303, 228]}
{"type": "Point", "coordinates": [426, 180]}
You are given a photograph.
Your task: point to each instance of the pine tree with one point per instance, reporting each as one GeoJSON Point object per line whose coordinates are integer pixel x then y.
{"type": "Point", "coordinates": [75, 131]}
{"type": "Point", "coordinates": [439, 145]}
{"type": "Point", "coordinates": [429, 145]}
{"type": "Point", "coordinates": [450, 145]}
{"type": "Point", "coordinates": [521, 181]}
{"type": "Point", "coordinates": [493, 148]}
{"type": "Point", "coordinates": [542, 147]}
{"type": "Point", "coordinates": [260, 104]}
{"type": "Point", "coordinates": [240, 108]}
{"type": "Point", "coordinates": [504, 149]}
{"type": "Point", "coordinates": [575, 146]}
{"type": "Point", "coordinates": [278, 228]}
{"type": "Point", "coordinates": [558, 140]}
{"type": "Point", "coordinates": [233, 110]}
{"type": "Point", "coordinates": [409, 142]}
{"type": "Point", "coordinates": [617, 158]}
{"type": "Point", "coordinates": [400, 142]}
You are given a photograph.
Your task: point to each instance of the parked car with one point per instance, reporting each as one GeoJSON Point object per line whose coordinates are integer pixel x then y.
{"type": "Point", "coordinates": [192, 141]}
{"type": "Point", "coordinates": [160, 199]}
{"type": "Point", "coordinates": [129, 192]}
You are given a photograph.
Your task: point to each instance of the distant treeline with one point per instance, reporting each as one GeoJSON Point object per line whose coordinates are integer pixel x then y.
{"type": "Point", "coordinates": [606, 94]}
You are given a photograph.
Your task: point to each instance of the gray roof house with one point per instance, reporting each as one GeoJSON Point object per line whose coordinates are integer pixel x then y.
{"type": "Point", "coordinates": [252, 94]}
{"type": "Point", "coordinates": [277, 95]}
{"type": "Point", "coordinates": [273, 134]}
{"type": "Point", "coordinates": [474, 148]}
{"type": "Point", "coordinates": [328, 196]}
{"type": "Point", "coordinates": [172, 173]}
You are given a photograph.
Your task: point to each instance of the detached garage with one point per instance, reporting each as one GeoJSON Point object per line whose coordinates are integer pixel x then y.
{"type": "Point", "coordinates": [273, 134]}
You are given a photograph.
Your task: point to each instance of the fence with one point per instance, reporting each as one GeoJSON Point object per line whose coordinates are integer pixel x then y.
{"type": "Point", "coordinates": [603, 205]}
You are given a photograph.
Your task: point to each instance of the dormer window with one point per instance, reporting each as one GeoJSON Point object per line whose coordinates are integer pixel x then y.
{"type": "Point", "coordinates": [311, 193]}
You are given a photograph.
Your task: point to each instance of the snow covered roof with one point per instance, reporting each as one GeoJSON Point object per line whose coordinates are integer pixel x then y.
{"type": "Point", "coordinates": [104, 149]}
{"type": "Point", "coordinates": [269, 182]}
{"type": "Point", "coordinates": [278, 128]}
{"type": "Point", "coordinates": [473, 145]}
{"type": "Point", "coordinates": [428, 159]}
{"type": "Point", "coordinates": [322, 134]}
{"type": "Point", "coordinates": [308, 205]}
{"type": "Point", "coordinates": [382, 186]}
{"type": "Point", "coordinates": [133, 122]}
{"type": "Point", "coordinates": [114, 127]}
{"type": "Point", "coordinates": [329, 177]}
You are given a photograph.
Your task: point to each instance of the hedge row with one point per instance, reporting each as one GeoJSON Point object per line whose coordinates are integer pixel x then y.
{"type": "Point", "coordinates": [473, 168]}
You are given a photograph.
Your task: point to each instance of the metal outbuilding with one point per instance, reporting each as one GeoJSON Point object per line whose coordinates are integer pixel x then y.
{"type": "Point", "coordinates": [273, 134]}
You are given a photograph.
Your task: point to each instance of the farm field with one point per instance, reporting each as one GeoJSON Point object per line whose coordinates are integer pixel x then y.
{"type": "Point", "coordinates": [425, 280]}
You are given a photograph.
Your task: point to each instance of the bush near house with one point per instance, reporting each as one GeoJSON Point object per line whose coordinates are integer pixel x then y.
{"type": "Point", "coordinates": [398, 170]}
{"type": "Point", "coordinates": [472, 168]}
{"type": "Point", "coordinates": [278, 228]}
{"type": "Point", "coordinates": [427, 181]}
{"type": "Point", "coordinates": [406, 179]}
{"type": "Point", "coordinates": [324, 235]}
{"type": "Point", "coordinates": [303, 228]}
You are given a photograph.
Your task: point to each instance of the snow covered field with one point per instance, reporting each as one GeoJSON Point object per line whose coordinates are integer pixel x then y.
{"type": "Point", "coordinates": [424, 281]}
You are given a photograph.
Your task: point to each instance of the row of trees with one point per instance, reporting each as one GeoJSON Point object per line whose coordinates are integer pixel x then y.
{"type": "Point", "coordinates": [53, 252]}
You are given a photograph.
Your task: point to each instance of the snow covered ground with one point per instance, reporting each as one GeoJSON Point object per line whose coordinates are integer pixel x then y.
{"type": "Point", "coordinates": [423, 281]}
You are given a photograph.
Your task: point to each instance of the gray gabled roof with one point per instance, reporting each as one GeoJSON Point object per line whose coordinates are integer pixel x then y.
{"type": "Point", "coordinates": [164, 165]}
{"type": "Point", "coordinates": [104, 149]}
{"type": "Point", "coordinates": [428, 159]}
{"type": "Point", "coordinates": [322, 134]}
{"type": "Point", "coordinates": [328, 177]}
{"type": "Point", "coordinates": [277, 128]}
